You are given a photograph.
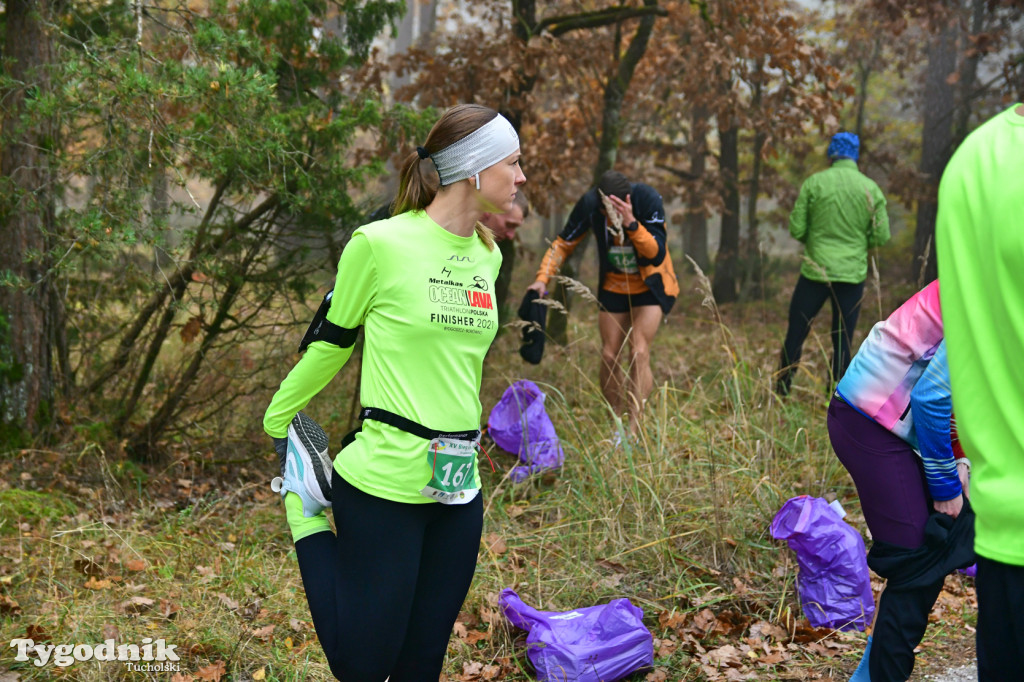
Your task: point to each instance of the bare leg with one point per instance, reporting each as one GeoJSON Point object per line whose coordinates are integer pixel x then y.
{"type": "Point", "coordinates": [645, 323]}
{"type": "Point", "coordinates": [613, 328]}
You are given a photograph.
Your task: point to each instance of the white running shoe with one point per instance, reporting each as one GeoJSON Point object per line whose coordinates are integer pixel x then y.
{"type": "Point", "coordinates": [307, 466]}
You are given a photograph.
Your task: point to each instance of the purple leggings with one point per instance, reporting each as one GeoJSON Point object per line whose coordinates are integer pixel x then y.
{"type": "Point", "coordinates": [888, 475]}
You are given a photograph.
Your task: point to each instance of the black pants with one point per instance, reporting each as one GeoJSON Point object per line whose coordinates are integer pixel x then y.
{"type": "Point", "coordinates": [385, 592]}
{"type": "Point", "coordinates": [899, 628]}
{"type": "Point", "coordinates": [1000, 590]}
{"type": "Point", "coordinates": [808, 298]}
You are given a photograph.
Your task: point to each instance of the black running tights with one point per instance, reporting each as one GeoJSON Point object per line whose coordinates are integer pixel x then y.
{"type": "Point", "coordinates": [808, 298]}
{"type": "Point", "coordinates": [385, 592]}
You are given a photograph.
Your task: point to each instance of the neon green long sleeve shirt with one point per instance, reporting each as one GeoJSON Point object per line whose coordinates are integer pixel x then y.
{"type": "Point", "coordinates": [839, 215]}
{"type": "Point", "coordinates": [425, 299]}
{"type": "Point", "coordinates": [980, 248]}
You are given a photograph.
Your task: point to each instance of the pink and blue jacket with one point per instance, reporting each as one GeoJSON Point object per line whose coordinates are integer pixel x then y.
{"type": "Point", "coordinates": [900, 379]}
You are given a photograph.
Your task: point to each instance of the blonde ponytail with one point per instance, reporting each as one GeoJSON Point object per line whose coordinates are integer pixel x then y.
{"type": "Point", "coordinates": [485, 234]}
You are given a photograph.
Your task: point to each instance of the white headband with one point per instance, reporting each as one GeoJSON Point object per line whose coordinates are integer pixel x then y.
{"type": "Point", "coordinates": [481, 149]}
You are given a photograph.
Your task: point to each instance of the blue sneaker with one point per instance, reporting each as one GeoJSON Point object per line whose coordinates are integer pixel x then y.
{"type": "Point", "coordinates": [306, 470]}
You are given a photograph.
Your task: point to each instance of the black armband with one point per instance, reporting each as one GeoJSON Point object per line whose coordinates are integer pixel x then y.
{"type": "Point", "coordinates": [322, 329]}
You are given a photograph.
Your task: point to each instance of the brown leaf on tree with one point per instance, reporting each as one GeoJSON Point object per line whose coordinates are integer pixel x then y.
{"type": "Point", "coordinates": [191, 329]}
{"type": "Point", "coordinates": [212, 672]}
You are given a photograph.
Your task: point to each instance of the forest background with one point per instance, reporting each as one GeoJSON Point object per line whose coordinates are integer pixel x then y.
{"type": "Point", "coordinates": [179, 179]}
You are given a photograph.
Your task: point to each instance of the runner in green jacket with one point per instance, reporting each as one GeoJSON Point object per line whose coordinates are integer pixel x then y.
{"type": "Point", "coordinates": [839, 215]}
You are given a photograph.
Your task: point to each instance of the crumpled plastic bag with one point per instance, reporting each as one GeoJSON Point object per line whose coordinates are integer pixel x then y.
{"type": "Point", "coordinates": [520, 424]}
{"type": "Point", "coordinates": [592, 644]}
{"type": "Point", "coordinates": [833, 581]}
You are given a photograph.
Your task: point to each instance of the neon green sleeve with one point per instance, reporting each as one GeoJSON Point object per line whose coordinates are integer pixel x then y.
{"type": "Point", "coordinates": [878, 233]}
{"type": "Point", "coordinates": [798, 217]}
{"type": "Point", "coordinates": [354, 291]}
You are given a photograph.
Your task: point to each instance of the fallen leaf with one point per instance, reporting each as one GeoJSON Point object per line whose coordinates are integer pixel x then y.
{"type": "Point", "coordinates": [763, 630]}
{"type": "Point", "coordinates": [474, 636]}
{"type": "Point", "coordinates": [137, 605]}
{"type": "Point", "coordinates": [659, 675]}
{"type": "Point", "coordinates": [495, 543]}
{"type": "Point", "coordinates": [617, 567]}
{"type": "Point", "coordinates": [110, 631]}
{"type": "Point", "coordinates": [727, 655]}
{"type": "Point", "coordinates": [178, 677]}
{"type": "Point", "coordinates": [93, 584]}
{"type": "Point", "coordinates": [135, 565]}
{"type": "Point", "coordinates": [212, 672]}
{"type": "Point", "coordinates": [227, 601]}
{"type": "Point", "coordinates": [260, 674]}
{"type": "Point", "coordinates": [264, 633]}
{"type": "Point", "coordinates": [8, 606]}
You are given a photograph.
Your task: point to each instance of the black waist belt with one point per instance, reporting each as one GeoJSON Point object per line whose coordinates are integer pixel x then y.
{"type": "Point", "coordinates": [407, 425]}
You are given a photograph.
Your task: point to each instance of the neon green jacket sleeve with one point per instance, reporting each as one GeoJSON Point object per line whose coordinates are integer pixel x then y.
{"type": "Point", "coordinates": [798, 217]}
{"type": "Point", "coordinates": [354, 292]}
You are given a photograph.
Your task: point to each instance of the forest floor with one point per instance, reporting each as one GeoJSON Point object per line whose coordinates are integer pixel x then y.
{"type": "Point", "coordinates": [195, 550]}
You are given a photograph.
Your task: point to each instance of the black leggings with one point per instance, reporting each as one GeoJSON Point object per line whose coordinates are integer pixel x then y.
{"type": "Point", "coordinates": [808, 298]}
{"type": "Point", "coordinates": [385, 592]}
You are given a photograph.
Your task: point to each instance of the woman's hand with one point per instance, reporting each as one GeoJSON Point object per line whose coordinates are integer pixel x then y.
{"type": "Point", "coordinates": [964, 473]}
{"type": "Point", "coordinates": [540, 287]}
{"type": "Point", "coordinates": [950, 507]}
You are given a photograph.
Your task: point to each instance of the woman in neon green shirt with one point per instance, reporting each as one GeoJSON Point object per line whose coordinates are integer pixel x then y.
{"type": "Point", "coordinates": [385, 591]}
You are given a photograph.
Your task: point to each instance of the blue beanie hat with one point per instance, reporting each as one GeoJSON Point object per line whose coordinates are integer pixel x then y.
{"type": "Point", "coordinates": [844, 145]}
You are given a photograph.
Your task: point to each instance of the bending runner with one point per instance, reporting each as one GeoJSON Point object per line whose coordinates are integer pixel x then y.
{"type": "Point", "coordinates": [385, 592]}
{"type": "Point", "coordinates": [890, 425]}
{"type": "Point", "coordinates": [637, 282]}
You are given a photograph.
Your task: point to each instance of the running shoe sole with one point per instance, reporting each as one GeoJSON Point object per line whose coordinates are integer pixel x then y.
{"type": "Point", "coordinates": [312, 450]}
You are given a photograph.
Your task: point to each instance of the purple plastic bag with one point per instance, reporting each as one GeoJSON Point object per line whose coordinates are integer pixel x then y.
{"type": "Point", "coordinates": [833, 582]}
{"type": "Point", "coordinates": [520, 424]}
{"type": "Point", "coordinates": [592, 644]}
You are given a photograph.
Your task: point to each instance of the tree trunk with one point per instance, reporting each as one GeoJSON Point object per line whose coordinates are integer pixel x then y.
{"type": "Point", "coordinates": [936, 146]}
{"type": "Point", "coordinates": [31, 322]}
{"type": "Point", "coordinates": [724, 284]}
{"type": "Point", "coordinates": [696, 224]}
{"type": "Point", "coordinates": [615, 93]}
{"type": "Point", "coordinates": [968, 77]}
{"type": "Point", "coordinates": [752, 275]}
{"type": "Point", "coordinates": [864, 71]}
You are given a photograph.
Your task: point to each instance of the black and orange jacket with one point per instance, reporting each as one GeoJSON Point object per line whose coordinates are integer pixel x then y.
{"type": "Point", "coordinates": [648, 241]}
